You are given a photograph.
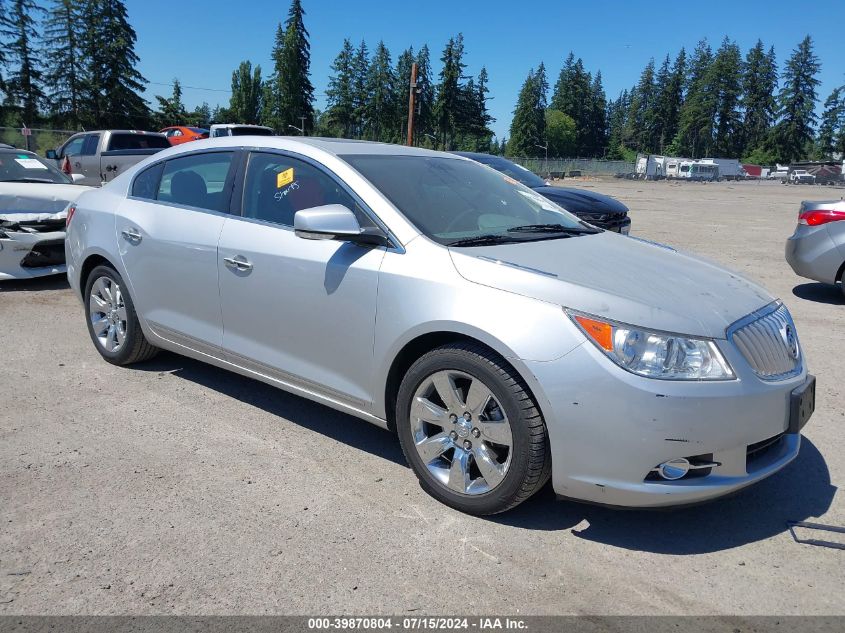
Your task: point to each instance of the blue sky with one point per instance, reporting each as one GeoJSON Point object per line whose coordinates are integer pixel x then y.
{"type": "Point", "coordinates": [201, 43]}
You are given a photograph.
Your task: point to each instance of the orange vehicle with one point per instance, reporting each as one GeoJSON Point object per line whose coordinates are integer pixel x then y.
{"type": "Point", "coordinates": [179, 134]}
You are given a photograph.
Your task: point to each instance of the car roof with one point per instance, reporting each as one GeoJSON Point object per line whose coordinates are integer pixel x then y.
{"type": "Point", "coordinates": [335, 146]}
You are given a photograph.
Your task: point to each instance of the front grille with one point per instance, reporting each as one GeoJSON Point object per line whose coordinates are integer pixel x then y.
{"type": "Point", "coordinates": [770, 344]}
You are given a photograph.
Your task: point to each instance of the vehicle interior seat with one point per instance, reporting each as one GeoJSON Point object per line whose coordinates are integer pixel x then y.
{"type": "Point", "coordinates": [188, 188]}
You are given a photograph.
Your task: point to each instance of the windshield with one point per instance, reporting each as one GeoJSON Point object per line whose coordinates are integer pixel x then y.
{"type": "Point", "coordinates": [21, 167]}
{"type": "Point", "coordinates": [451, 200]}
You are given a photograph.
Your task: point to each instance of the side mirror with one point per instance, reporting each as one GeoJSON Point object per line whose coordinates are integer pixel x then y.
{"type": "Point", "coordinates": [334, 222]}
{"type": "Point", "coordinates": [51, 154]}
{"type": "Point", "coordinates": [77, 177]}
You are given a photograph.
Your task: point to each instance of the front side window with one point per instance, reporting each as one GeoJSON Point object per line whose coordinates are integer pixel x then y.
{"type": "Point", "coordinates": [451, 200]}
{"type": "Point", "coordinates": [74, 147]}
{"type": "Point", "coordinates": [277, 186]}
{"type": "Point", "coordinates": [197, 180]}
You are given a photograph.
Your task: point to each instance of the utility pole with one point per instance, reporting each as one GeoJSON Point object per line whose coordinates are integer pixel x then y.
{"type": "Point", "coordinates": [412, 93]}
{"type": "Point", "coordinates": [302, 128]}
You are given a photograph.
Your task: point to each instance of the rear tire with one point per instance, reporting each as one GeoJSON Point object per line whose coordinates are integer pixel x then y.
{"type": "Point", "coordinates": [482, 447]}
{"type": "Point", "coordinates": [112, 321]}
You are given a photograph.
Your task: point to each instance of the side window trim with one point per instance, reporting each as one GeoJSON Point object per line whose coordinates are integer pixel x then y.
{"type": "Point", "coordinates": [239, 190]}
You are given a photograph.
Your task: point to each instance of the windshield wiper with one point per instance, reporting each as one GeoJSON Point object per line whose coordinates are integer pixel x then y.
{"type": "Point", "coordinates": [484, 240]}
{"type": "Point", "coordinates": [50, 182]}
{"type": "Point", "coordinates": [551, 228]}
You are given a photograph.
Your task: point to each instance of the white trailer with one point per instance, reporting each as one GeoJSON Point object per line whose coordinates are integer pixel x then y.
{"type": "Point", "coordinates": [651, 167]}
{"type": "Point", "coordinates": [677, 167]}
{"type": "Point", "coordinates": [729, 168]}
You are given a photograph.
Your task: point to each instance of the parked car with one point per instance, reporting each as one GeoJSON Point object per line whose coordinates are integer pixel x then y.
{"type": "Point", "coordinates": [34, 196]}
{"type": "Point", "coordinates": [101, 155]}
{"type": "Point", "coordinates": [237, 129]}
{"type": "Point", "coordinates": [502, 338]}
{"type": "Point", "coordinates": [179, 134]}
{"type": "Point", "coordinates": [801, 177]}
{"type": "Point", "coordinates": [595, 208]}
{"type": "Point", "coordinates": [816, 250]}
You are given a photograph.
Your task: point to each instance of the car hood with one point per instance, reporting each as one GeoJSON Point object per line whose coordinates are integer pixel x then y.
{"type": "Point", "coordinates": [34, 202]}
{"type": "Point", "coordinates": [619, 278]}
{"type": "Point", "coordinates": [582, 201]}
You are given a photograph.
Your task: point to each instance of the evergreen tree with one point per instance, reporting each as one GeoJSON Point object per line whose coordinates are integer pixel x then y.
{"type": "Point", "coordinates": [379, 109]}
{"type": "Point", "coordinates": [340, 94]}
{"type": "Point", "coordinates": [424, 122]}
{"type": "Point", "coordinates": [110, 94]}
{"type": "Point", "coordinates": [617, 117]}
{"type": "Point", "coordinates": [759, 82]}
{"type": "Point", "coordinates": [574, 96]}
{"type": "Point", "coordinates": [726, 80]}
{"type": "Point", "coordinates": [201, 116]}
{"type": "Point", "coordinates": [360, 71]}
{"type": "Point", "coordinates": [293, 97]}
{"type": "Point", "coordinates": [472, 119]}
{"type": "Point", "coordinates": [245, 103]}
{"type": "Point", "coordinates": [448, 100]}
{"type": "Point", "coordinates": [598, 119]}
{"type": "Point", "coordinates": [65, 72]}
{"type": "Point", "coordinates": [402, 87]}
{"type": "Point", "coordinates": [797, 103]}
{"type": "Point", "coordinates": [695, 129]}
{"type": "Point", "coordinates": [641, 127]}
{"type": "Point", "coordinates": [832, 128]}
{"type": "Point", "coordinates": [670, 86]}
{"type": "Point", "coordinates": [271, 87]}
{"type": "Point", "coordinates": [24, 82]}
{"type": "Point", "coordinates": [172, 111]}
{"type": "Point", "coordinates": [528, 128]}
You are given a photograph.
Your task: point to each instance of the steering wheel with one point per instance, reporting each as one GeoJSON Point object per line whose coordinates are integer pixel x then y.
{"type": "Point", "coordinates": [454, 221]}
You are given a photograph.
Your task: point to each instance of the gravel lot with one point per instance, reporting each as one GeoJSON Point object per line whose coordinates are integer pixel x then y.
{"type": "Point", "coordinates": [173, 487]}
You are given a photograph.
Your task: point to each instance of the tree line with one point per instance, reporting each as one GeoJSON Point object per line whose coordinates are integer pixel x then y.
{"type": "Point", "coordinates": [705, 104]}
{"type": "Point", "coordinates": [72, 64]}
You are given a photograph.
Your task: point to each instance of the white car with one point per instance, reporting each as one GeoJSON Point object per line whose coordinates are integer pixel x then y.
{"type": "Point", "coordinates": [34, 197]}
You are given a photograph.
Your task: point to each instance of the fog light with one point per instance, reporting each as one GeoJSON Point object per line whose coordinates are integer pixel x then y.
{"type": "Point", "coordinates": [674, 468]}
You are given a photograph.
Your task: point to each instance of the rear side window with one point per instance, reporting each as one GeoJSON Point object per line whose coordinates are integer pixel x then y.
{"type": "Point", "coordinates": [126, 141]}
{"type": "Point", "coordinates": [90, 146]}
{"type": "Point", "coordinates": [146, 183]}
{"type": "Point", "coordinates": [198, 180]}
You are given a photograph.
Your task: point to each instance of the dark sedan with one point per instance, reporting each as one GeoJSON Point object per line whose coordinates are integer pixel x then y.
{"type": "Point", "coordinates": [595, 208]}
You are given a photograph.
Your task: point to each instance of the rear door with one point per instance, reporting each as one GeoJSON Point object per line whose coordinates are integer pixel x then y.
{"type": "Point", "coordinates": [167, 232]}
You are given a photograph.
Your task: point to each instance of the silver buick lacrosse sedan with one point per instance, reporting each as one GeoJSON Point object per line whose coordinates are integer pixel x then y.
{"type": "Point", "coordinates": [501, 338]}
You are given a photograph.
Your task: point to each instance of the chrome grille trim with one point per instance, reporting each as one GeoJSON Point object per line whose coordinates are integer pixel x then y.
{"type": "Point", "coordinates": [761, 338]}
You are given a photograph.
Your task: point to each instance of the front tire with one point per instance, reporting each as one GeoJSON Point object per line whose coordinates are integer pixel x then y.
{"type": "Point", "coordinates": [471, 431]}
{"type": "Point", "coordinates": [112, 321]}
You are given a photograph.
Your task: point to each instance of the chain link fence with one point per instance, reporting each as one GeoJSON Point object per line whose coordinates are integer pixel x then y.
{"type": "Point", "coordinates": [574, 167]}
{"type": "Point", "coordinates": [38, 140]}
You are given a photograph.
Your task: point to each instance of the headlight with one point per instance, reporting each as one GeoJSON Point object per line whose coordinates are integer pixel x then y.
{"type": "Point", "coordinates": [655, 354]}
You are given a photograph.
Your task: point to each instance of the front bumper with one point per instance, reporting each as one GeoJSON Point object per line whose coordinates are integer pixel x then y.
{"type": "Point", "coordinates": [25, 255]}
{"type": "Point", "coordinates": [609, 429]}
{"type": "Point", "coordinates": [811, 253]}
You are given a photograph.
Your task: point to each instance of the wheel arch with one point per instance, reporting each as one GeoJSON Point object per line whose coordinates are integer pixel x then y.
{"type": "Point", "coordinates": [424, 343]}
{"type": "Point", "coordinates": [91, 262]}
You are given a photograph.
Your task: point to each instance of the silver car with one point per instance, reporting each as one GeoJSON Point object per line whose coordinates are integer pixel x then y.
{"type": "Point", "coordinates": [505, 341]}
{"type": "Point", "coordinates": [817, 248]}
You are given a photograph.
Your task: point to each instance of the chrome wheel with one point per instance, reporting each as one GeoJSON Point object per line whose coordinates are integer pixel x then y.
{"type": "Point", "coordinates": [461, 432]}
{"type": "Point", "coordinates": [107, 311]}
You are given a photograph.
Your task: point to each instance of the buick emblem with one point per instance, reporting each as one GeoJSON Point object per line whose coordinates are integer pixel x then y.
{"type": "Point", "coordinates": [788, 334]}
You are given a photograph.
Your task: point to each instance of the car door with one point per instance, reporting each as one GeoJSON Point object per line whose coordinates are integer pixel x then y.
{"type": "Point", "coordinates": [301, 311]}
{"type": "Point", "coordinates": [87, 162]}
{"type": "Point", "coordinates": [167, 231]}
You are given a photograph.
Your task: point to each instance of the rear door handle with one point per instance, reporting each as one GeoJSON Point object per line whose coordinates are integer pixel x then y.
{"type": "Point", "coordinates": [238, 262]}
{"type": "Point", "coordinates": [131, 235]}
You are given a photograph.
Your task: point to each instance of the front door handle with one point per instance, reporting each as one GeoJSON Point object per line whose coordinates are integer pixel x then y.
{"type": "Point", "coordinates": [238, 263]}
{"type": "Point", "coordinates": [131, 235]}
